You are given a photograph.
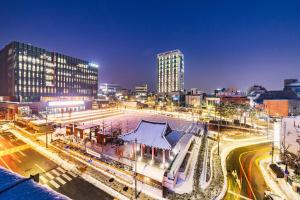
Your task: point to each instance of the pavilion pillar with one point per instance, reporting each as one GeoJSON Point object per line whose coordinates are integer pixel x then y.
{"type": "Point", "coordinates": [141, 150]}
{"type": "Point", "coordinates": [132, 149]}
{"type": "Point", "coordinates": [152, 153]}
{"type": "Point", "coordinates": [164, 156]}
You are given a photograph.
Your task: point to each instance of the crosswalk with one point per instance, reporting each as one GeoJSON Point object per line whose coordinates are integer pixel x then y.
{"type": "Point", "coordinates": [56, 178]}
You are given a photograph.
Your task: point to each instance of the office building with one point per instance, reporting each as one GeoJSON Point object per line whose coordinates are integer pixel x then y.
{"type": "Point", "coordinates": [30, 74]}
{"type": "Point", "coordinates": [292, 85]}
{"type": "Point", "coordinates": [141, 90]}
{"type": "Point", "coordinates": [170, 72]}
{"type": "Point", "coordinates": [109, 88]}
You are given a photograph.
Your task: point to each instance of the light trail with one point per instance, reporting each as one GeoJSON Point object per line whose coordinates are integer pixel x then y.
{"type": "Point", "coordinates": [240, 156]}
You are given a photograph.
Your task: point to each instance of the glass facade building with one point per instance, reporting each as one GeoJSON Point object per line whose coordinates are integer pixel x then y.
{"type": "Point", "coordinates": [170, 72]}
{"type": "Point", "coordinates": [29, 73]}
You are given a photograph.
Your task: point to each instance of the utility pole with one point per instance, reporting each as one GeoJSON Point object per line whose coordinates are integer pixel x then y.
{"type": "Point", "coordinates": [273, 150]}
{"type": "Point", "coordinates": [46, 128]}
{"type": "Point", "coordinates": [219, 137]}
{"type": "Point", "coordinates": [135, 169]}
{"type": "Point", "coordinates": [285, 148]}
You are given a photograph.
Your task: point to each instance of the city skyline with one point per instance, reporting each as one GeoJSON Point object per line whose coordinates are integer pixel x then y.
{"type": "Point", "coordinates": [177, 100]}
{"type": "Point", "coordinates": [239, 45]}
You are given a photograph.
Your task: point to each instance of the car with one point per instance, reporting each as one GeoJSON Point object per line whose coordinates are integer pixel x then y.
{"type": "Point", "coordinates": [272, 196]}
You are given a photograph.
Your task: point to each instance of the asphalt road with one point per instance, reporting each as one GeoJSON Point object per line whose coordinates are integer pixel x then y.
{"type": "Point", "coordinates": [245, 180]}
{"type": "Point", "coordinates": [19, 157]}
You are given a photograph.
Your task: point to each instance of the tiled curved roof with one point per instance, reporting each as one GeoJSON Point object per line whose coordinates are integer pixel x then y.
{"type": "Point", "coordinates": [154, 134]}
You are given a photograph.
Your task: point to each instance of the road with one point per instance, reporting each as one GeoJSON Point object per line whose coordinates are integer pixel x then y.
{"type": "Point", "coordinates": [245, 180]}
{"type": "Point", "coordinates": [19, 157]}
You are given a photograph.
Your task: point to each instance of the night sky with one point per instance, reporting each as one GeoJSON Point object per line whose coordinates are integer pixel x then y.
{"type": "Point", "coordinates": [225, 43]}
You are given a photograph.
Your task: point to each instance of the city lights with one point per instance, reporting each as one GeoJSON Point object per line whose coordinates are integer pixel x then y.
{"type": "Point", "coordinates": [186, 100]}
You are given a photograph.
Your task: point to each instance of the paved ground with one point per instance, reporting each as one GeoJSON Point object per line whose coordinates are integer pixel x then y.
{"type": "Point", "coordinates": [245, 180]}
{"type": "Point", "coordinates": [17, 156]}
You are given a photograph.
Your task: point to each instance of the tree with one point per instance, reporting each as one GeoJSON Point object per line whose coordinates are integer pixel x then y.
{"type": "Point", "coordinates": [252, 115]}
{"type": "Point", "coordinates": [224, 110]}
{"type": "Point", "coordinates": [239, 110]}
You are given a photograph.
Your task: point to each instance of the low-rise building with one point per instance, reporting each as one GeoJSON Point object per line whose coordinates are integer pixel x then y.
{"type": "Point", "coordinates": [194, 100]}
{"type": "Point", "coordinates": [141, 90]}
{"type": "Point", "coordinates": [282, 107]}
{"type": "Point", "coordinates": [292, 85]}
{"type": "Point", "coordinates": [212, 101]}
{"type": "Point", "coordinates": [109, 88]}
{"type": "Point", "coordinates": [267, 102]}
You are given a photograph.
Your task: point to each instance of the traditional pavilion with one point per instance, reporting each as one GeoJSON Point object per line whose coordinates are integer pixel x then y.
{"type": "Point", "coordinates": [154, 140]}
{"type": "Point", "coordinates": [167, 150]}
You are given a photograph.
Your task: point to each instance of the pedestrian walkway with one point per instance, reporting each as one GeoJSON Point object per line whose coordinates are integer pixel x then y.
{"type": "Point", "coordinates": [56, 177]}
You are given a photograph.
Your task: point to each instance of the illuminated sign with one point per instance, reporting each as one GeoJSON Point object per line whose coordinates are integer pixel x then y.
{"type": "Point", "coordinates": [65, 103]}
{"type": "Point", "coordinates": [94, 65]}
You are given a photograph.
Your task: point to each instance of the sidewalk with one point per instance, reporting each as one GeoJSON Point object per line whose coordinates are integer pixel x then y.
{"type": "Point", "coordinates": [92, 174]}
{"type": "Point", "coordinates": [277, 185]}
{"type": "Point", "coordinates": [187, 185]}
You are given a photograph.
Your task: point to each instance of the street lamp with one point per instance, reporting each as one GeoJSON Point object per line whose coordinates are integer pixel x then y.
{"type": "Point", "coordinates": [46, 114]}
{"type": "Point", "coordinates": [135, 169]}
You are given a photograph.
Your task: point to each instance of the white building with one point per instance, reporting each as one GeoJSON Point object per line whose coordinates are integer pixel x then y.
{"type": "Point", "coordinates": [170, 72]}
{"type": "Point", "coordinates": [290, 134]}
{"type": "Point", "coordinates": [141, 90]}
{"type": "Point", "coordinates": [109, 88]}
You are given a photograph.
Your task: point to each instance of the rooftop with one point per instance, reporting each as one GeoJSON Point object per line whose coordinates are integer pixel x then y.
{"type": "Point", "coordinates": [154, 134]}
{"type": "Point", "coordinates": [169, 52]}
{"type": "Point", "coordinates": [24, 190]}
{"type": "Point", "coordinates": [277, 94]}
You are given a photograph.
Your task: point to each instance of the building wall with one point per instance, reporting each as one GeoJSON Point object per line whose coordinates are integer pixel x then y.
{"type": "Point", "coordinates": [282, 108]}
{"type": "Point", "coordinates": [290, 132]}
{"type": "Point", "coordinates": [234, 100]}
{"type": "Point", "coordinates": [170, 71]}
{"type": "Point", "coordinates": [212, 101]}
{"type": "Point", "coordinates": [141, 90]}
{"type": "Point", "coordinates": [193, 100]}
{"type": "Point", "coordinates": [7, 71]}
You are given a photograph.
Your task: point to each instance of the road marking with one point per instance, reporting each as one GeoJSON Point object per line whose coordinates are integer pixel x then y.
{"type": "Point", "coordinates": [55, 172]}
{"type": "Point", "coordinates": [72, 174]}
{"type": "Point", "coordinates": [52, 182]}
{"type": "Point", "coordinates": [49, 175]}
{"type": "Point", "coordinates": [61, 169]}
{"type": "Point", "coordinates": [18, 160]}
{"type": "Point", "coordinates": [22, 153]}
{"type": "Point", "coordinates": [67, 177]}
{"type": "Point", "coordinates": [5, 164]}
{"type": "Point", "coordinates": [61, 181]}
{"type": "Point", "coordinates": [236, 194]}
{"type": "Point", "coordinates": [39, 167]}
{"type": "Point", "coordinates": [43, 179]}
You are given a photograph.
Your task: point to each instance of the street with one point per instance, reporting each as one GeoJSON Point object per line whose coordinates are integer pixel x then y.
{"type": "Point", "coordinates": [245, 180]}
{"type": "Point", "coordinates": [19, 157]}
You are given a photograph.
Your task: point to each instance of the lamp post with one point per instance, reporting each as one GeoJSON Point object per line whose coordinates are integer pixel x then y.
{"type": "Point", "coordinates": [135, 169]}
{"type": "Point", "coordinates": [46, 128]}
{"type": "Point", "coordinates": [219, 131]}
{"type": "Point", "coordinates": [284, 147]}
